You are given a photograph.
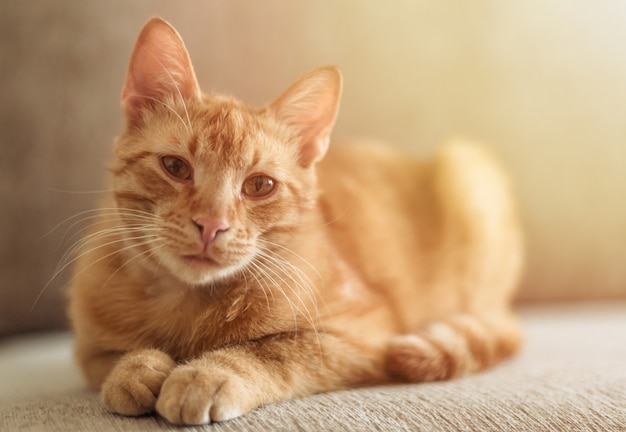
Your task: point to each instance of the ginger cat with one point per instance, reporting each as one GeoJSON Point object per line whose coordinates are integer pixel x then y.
{"type": "Point", "coordinates": [240, 261]}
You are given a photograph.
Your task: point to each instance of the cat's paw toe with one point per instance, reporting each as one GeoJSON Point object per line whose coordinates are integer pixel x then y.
{"type": "Point", "coordinates": [192, 395]}
{"type": "Point", "coordinates": [414, 358]}
{"type": "Point", "coordinates": [134, 384]}
{"type": "Point", "coordinates": [225, 406]}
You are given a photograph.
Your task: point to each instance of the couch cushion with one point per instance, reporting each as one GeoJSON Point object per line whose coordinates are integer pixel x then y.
{"type": "Point", "coordinates": [571, 375]}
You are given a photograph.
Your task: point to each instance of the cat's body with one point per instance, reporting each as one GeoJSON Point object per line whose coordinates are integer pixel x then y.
{"type": "Point", "coordinates": [237, 264]}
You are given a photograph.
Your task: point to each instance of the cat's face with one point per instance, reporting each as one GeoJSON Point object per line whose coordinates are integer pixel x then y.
{"type": "Point", "coordinates": [205, 196]}
{"type": "Point", "coordinates": [206, 185]}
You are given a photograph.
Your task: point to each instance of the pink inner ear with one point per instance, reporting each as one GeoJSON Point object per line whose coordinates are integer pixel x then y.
{"type": "Point", "coordinates": [159, 68]}
{"type": "Point", "coordinates": [310, 107]}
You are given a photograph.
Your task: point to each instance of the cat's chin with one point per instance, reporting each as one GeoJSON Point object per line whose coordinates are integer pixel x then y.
{"type": "Point", "coordinates": [196, 270]}
{"type": "Point", "coordinates": [201, 261]}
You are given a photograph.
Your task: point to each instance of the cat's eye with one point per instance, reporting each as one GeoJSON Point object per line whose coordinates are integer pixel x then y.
{"type": "Point", "coordinates": [258, 186]}
{"type": "Point", "coordinates": [176, 167]}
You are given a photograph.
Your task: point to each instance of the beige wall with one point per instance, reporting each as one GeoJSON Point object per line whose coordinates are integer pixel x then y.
{"type": "Point", "coordinates": [543, 83]}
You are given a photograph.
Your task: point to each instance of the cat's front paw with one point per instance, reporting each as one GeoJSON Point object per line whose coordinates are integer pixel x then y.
{"type": "Point", "coordinates": [194, 394]}
{"type": "Point", "coordinates": [135, 382]}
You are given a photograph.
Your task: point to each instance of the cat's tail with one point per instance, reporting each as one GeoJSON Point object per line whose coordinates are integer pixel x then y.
{"type": "Point", "coordinates": [457, 346]}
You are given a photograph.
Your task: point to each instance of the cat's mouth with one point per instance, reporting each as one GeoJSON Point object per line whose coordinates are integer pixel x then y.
{"type": "Point", "coordinates": [200, 259]}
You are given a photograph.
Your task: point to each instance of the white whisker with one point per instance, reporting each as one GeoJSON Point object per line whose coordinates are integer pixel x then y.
{"type": "Point", "coordinates": [243, 273]}
{"type": "Point", "coordinates": [139, 226]}
{"type": "Point", "coordinates": [107, 211]}
{"type": "Point", "coordinates": [148, 252]}
{"type": "Point", "coordinates": [298, 271]}
{"type": "Point", "coordinates": [98, 235]}
{"type": "Point", "coordinates": [261, 285]}
{"type": "Point", "coordinates": [298, 283]}
{"type": "Point", "coordinates": [267, 242]}
{"type": "Point", "coordinates": [56, 274]}
{"type": "Point", "coordinates": [80, 192]}
{"type": "Point", "coordinates": [280, 271]}
{"type": "Point", "coordinates": [263, 272]}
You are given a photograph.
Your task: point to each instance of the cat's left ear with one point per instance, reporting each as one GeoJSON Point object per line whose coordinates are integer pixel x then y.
{"type": "Point", "coordinates": [159, 69]}
{"type": "Point", "coordinates": [310, 108]}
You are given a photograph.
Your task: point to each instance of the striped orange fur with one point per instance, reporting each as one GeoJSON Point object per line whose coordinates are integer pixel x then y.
{"type": "Point", "coordinates": [240, 260]}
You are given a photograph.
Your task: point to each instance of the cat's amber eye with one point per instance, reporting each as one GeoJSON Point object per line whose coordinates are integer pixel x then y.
{"type": "Point", "coordinates": [176, 167]}
{"type": "Point", "coordinates": [258, 186]}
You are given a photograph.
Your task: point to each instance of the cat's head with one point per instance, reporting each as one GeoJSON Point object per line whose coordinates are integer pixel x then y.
{"type": "Point", "coordinates": [205, 184]}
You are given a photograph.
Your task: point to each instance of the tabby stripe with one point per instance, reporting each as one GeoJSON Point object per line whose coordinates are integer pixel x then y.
{"type": "Point", "coordinates": [129, 161]}
{"type": "Point", "coordinates": [413, 358]}
{"type": "Point", "coordinates": [280, 229]}
{"type": "Point", "coordinates": [135, 198]}
{"type": "Point", "coordinates": [193, 145]}
{"type": "Point", "coordinates": [447, 349]}
{"type": "Point", "coordinates": [481, 346]}
{"type": "Point", "coordinates": [453, 350]}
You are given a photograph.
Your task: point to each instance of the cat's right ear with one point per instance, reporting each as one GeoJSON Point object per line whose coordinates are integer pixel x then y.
{"type": "Point", "coordinates": [310, 108]}
{"type": "Point", "coordinates": [159, 69]}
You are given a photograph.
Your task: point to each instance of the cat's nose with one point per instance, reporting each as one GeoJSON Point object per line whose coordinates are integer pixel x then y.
{"type": "Point", "coordinates": [210, 228]}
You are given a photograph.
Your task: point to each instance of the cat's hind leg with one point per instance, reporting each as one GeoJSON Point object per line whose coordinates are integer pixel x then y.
{"type": "Point", "coordinates": [452, 347]}
{"type": "Point", "coordinates": [480, 262]}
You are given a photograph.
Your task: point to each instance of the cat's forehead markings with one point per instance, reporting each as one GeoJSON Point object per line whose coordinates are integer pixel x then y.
{"type": "Point", "coordinates": [256, 157]}
{"type": "Point", "coordinates": [193, 144]}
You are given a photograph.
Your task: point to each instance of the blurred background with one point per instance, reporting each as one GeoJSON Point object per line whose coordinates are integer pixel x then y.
{"type": "Point", "coordinates": [542, 83]}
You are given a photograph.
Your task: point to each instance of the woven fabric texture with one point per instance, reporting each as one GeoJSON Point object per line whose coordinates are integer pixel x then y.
{"type": "Point", "coordinates": [571, 376]}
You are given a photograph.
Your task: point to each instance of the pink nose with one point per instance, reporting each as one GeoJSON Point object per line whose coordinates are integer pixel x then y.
{"type": "Point", "coordinates": [210, 228]}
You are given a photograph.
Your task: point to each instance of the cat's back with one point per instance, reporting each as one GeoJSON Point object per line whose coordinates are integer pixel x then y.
{"type": "Point", "coordinates": [378, 211]}
{"type": "Point", "coordinates": [367, 169]}
{"type": "Point", "coordinates": [368, 184]}
{"type": "Point", "coordinates": [408, 226]}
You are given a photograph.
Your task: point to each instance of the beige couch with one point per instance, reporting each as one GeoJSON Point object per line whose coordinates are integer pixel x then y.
{"type": "Point", "coordinates": [571, 376]}
{"type": "Point", "coordinates": [540, 82]}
